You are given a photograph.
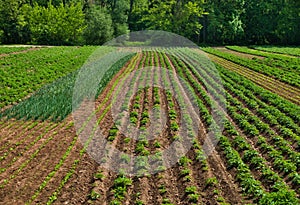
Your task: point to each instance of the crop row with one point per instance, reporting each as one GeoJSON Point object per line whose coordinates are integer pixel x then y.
{"type": "Point", "coordinates": [269, 55]}
{"type": "Point", "coordinates": [265, 128]}
{"type": "Point", "coordinates": [280, 143]}
{"type": "Point", "coordinates": [185, 167]}
{"type": "Point", "coordinates": [6, 150]}
{"type": "Point", "coordinates": [25, 73]}
{"type": "Point", "coordinates": [285, 76]}
{"type": "Point", "coordinates": [184, 162]}
{"type": "Point", "coordinates": [54, 101]}
{"type": "Point", "coordinates": [263, 95]}
{"type": "Point", "coordinates": [287, 91]}
{"type": "Point", "coordinates": [273, 60]}
{"type": "Point", "coordinates": [76, 162]}
{"type": "Point", "coordinates": [35, 153]}
{"type": "Point", "coordinates": [283, 50]}
{"type": "Point", "coordinates": [119, 188]}
{"type": "Point", "coordinates": [253, 129]}
{"type": "Point", "coordinates": [198, 151]}
{"type": "Point", "coordinates": [8, 50]}
{"type": "Point", "coordinates": [253, 191]}
{"type": "Point", "coordinates": [40, 145]}
{"type": "Point", "coordinates": [271, 114]}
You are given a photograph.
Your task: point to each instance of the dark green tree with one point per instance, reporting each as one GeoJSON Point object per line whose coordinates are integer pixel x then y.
{"type": "Point", "coordinates": [119, 10]}
{"type": "Point", "coordinates": [10, 15]}
{"type": "Point", "coordinates": [288, 22]}
{"type": "Point", "coordinates": [138, 9]}
{"type": "Point", "coordinates": [225, 23]}
{"type": "Point", "coordinates": [272, 21]}
{"type": "Point", "coordinates": [99, 26]}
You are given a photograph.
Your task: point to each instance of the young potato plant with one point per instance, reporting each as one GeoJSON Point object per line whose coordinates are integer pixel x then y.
{"type": "Point", "coordinates": [71, 171]}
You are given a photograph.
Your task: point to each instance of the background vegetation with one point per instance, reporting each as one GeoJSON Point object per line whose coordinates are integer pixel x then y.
{"type": "Point", "coordinates": [73, 22]}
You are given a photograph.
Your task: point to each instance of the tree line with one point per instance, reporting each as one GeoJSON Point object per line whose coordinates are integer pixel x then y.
{"type": "Point", "coordinates": [94, 22]}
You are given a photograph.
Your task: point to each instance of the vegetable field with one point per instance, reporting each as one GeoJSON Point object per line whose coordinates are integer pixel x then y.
{"type": "Point", "coordinates": [256, 159]}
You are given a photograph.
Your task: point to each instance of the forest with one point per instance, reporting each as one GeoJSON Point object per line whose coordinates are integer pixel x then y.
{"type": "Point", "coordinates": [94, 22]}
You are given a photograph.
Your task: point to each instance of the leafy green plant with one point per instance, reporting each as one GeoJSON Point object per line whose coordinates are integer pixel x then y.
{"type": "Point", "coordinates": [127, 140]}
{"type": "Point", "coordinates": [184, 161]}
{"type": "Point", "coordinates": [211, 181]}
{"type": "Point", "coordinates": [157, 144]}
{"type": "Point", "coordinates": [191, 190]}
{"type": "Point", "coordinates": [94, 195]}
{"type": "Point", "coordinates": [174, 126]}
{"type": "Point", "coordinates": [99, 175]}
{"type": "Point", "coordinates": [162, 189]}
{"type": "Point", "coordinates": [185, 172]}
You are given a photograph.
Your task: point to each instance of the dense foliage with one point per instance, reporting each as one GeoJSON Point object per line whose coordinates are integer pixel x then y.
{"type": "Point", "coordinates": [94, 22]}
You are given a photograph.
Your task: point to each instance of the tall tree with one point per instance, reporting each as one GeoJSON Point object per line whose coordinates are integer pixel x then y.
{"type": "Point", "coordinates": [288, 22]}
{"type": "Point", "coordinates": [119, 10]}
{"type": "Point", "coordinates": [10, 13]}
{"type": "Point", "coordinates": [178, 16]}
{"type": "Point", "coordinates": [138, 9]}
{"type": "Point", "coordinates": [99, 26]}
{"type": "Point", "coordinates": [225, 21]}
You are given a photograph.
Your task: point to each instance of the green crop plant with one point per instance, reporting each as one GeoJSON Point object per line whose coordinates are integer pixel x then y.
{"type": "Point", "coordinates": [99, 175]}
{"type": "Point", "coordinates": [134, 114]}
{"type": "Point", "coordinates": [211, 181]}
{"type": "Point", "coordinates": [139, 202]}
{"type": "Point", "coordinates": [42, 105]}
{"type": "Point", "coordinates": [174, 126]}
{"type": "Point", "coordinates": [94, 195]}
{"type": "Point", "coordinates": [162, 189]}
{"type": "Point", "coordinates": [157, 144]}
{"type": "Point", "coordinates": [160, 168]}
{"type": "Point", "coordinates": [125, 158]}
{"type": "Point", "coordinates": [285, 76]}
{"type": "Point", "coordinates": [71, 171]}
{"type": "Point", "coordinates": [184, 161]}
{"type": "Point", "coordinates": [172, 114]}
{"type": "Point", "coordinates": [127, 140]}
{"type": "Point", "coordinates": [166, 202]}
{"type": "Point", "coordinates": [185, 172]}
